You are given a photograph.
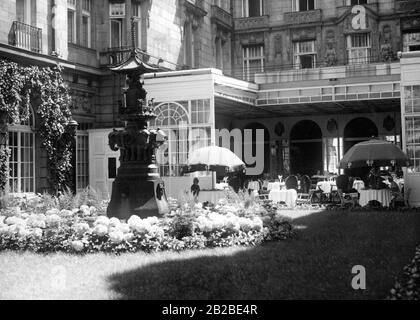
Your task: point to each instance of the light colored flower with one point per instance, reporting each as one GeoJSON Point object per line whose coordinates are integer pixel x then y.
{"type": "Point", "coordinates": [2, 218]}
{"type": "Point", "coordinates": [116, 236]}
{"type": "Point", "coordinates": [66, 213]}
{"type": "Point", "coordinates": [52, 211]}
{"type": "Point", "coordinates": [257, 224]}
{"type": "Point", "coordinates": [81, 227]}
{"type": "Point", "coordinates": [100, 230]}
{"type": "Point", "coordinates": [4, 229]}
{"type": "Point", "coordinates": [36, 233]}
{"type": "Point", "coordinates": [53, 220]}
{"type": "Point", "coordinates": [124, 228]}
{"type": "Point", "coordinates": [14, 221]}
{"type": "Point", "coordinates": [36, 221]}
{"type": "Point", "coordinates": [77, 245]}
{"type": "Point", "coordinates": [133, 220]}
{"type": "Point", "coordinates": [93, 210]}
{"type": "Point", "coordinates": [85, 210]}
{"type": "Point", "coordinates": [204, 224]}
{"type": "Point", "coordinates": [152, 220]}
{"type": "Point", "coordinates": [114, 222]}
{"type": "Point", "coordinates": [22, 231]}
{"type": "Point", "coordinates": [128, 236]}
{"type": "Point", "coordinates": [101, 220]}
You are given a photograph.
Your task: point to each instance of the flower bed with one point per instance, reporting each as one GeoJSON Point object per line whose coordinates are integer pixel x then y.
{"type": "Point", "coordinates": [45, 224]}
{"type": "Point", "coordinates": [407, 287]}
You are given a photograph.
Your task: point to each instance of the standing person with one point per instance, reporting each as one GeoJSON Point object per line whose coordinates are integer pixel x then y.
{"type": "Point", "coordinates": [195, 189]}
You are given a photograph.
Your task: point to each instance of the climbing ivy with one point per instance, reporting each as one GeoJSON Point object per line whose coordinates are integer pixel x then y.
{"type": "Point", "coordinates": [45, 90]}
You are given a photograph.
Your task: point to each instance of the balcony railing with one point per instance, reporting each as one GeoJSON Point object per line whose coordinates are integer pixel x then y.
{"type": "Point", "coordinates": [221, 17]}
{"type": "Point", "coordinates": [301, 17]}
{"type": "Point", "coordinates": [251, 23]}
{"type": "Point", "coordinates": [196, 7]}
{"type": "Point", "coordinates": [26, 36]}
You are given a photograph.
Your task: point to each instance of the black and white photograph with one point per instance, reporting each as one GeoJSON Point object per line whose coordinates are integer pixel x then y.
{"type": "Point", "coordinates": [220, 152]}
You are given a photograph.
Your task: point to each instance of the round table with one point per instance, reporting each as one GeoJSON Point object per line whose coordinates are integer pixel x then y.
{"type": "Point", "coordinates": [382, 195]}
{"type": "Point", "coordinates": [287, 196]}
{"type": "Point", "coordinates": [326, 186]}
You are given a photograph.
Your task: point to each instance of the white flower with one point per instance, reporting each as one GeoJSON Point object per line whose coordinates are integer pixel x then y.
{"type": "Point", "coordinates": [14, 221]}
{"type": "Point", "coordinates": [124, 228]}
{"type": "Point", "coordinates": [152, 220]}
{"type": "Point", "coordinates": [36, 233]}
{"type": "Point", "coordinates": [13, 229]}
{"type": "Point", "coordinates": [52, 211]}
{"type": "Point", "coordinates": [4, 229]}
{"type": "Point", "coordinates": [100, 230]}
{"type": "Point", "coordinates": [74, 211]}
{"type": "Point", "coordinates": [77, 245]}
{"type": "Point", "coordinates": [85, 210]}
{"type": "Point", "coordinates": [114, 222]}
{"type": "Point", "coordinates": [101, 220]}
{"type": "Point", "coordinates": [22, 231]}
{"type": "Point", "coordinates": [93, 210]}
{"type": "Point", "coordinates": [198, 205]}
{"type": "Point", "coordinates": [66, 213]}
{"type": "Point", "coordinates": [133, 220]}
{"type": "Point", "coordinates": [204, 224]}
{"type": "Point", "coordinates": [36, 221]}
{"type": "Point", "coordinates": [81, 227]}
{"type": "Point", "coordinates": [2, 219]}
{"type": "Point", "coordinates": [257, 223]}
{"type": "Point", "coordinates": [53, 220]}
{"type": "Point", "coordinates": [116, 236]}
{"type": "Point", "coordinates": [128, 236]}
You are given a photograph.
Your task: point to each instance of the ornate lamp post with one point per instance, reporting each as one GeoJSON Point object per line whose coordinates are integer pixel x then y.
{"type": "Point", "coordinates": [137, 189]}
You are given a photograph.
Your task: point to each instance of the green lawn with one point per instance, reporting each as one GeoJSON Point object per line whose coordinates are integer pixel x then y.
{"type": "Point", "coordinates": [315, 265]}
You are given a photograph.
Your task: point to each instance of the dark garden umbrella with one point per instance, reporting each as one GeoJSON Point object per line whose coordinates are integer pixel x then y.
{"type": "Point", "coordinates": [374, 153]}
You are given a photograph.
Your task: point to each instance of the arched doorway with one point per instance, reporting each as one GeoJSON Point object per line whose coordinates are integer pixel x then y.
{"type": "Point", "coordinates": [252, 145]}
{"type": "Point", "coordinates": [306, 148]}
{"type": "Point", "coordinates": [358, 130]}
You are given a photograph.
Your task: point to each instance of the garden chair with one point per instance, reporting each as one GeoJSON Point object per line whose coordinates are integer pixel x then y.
{"type": "Point", "coordinates": [305, 199]}
{"type": "Point", "coordinates": [291, 182]}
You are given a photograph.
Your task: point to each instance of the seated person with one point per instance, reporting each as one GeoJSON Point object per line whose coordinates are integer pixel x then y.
{"type": "Point", "coordinates": [195, 188]}
{"type": "Point", "coordinates": [393, 186]}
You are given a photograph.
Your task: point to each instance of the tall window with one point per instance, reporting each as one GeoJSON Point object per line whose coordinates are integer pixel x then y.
{"type": "Point", "coordinates": [356, 2]}
{"type": "Point", "coordinates": [412, 125]}
{"type": "Point", "coordinates": [219, 45]}
{"type": "Point", "coordinates": [411, 41]}
{"type": "Point", "coordinates": [137, 26]}
{"type": "Point", "coordinates": [71, 21]}
{"type": "Point", "coordinates": [86, 24]}
{"type": "Point", "coordinates": [22, 157]}
{"type": "Point", "coordinates": [116, 14]}
{"type": "Point", "coordinates": [82, 160]}
{"type": "Point", "coordinates": [304, 54]}
{"type": "Point", "coordinates": [358, 48]}
{"type": "Point", "coordinates": [304, 5]}
{"type": "Point", "coordinates": [253, 61]}
{"type": "Point", "coordinates": [25, 11]}
{"type": "Point", "coordinates": [252, 8]}
{"type": "Point", "coordinates": [190, 52]}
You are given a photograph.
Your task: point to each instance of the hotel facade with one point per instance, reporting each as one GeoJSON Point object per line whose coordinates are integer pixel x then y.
{"type": "Point", "coordinates": [315, 76]}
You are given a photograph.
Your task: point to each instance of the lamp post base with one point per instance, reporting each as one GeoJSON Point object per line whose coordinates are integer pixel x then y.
{"type": "Point", "coordinates": [137, 192]}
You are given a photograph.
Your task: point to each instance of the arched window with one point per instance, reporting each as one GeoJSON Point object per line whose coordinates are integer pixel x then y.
{"type": "Point", "coordinates": [22, 156]}
{"type": "Point", "coordinates": [170, 114]}
{"type": "Point", "coordinates": [173, 119]}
